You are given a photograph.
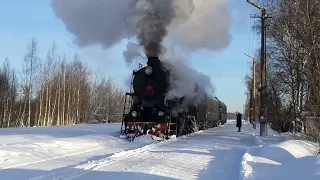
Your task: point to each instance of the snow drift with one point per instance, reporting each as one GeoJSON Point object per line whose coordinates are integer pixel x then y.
{"type": "Point", "coordinates": [292, 159]}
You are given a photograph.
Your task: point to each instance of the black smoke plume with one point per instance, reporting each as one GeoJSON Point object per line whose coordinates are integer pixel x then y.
{"type": "Point", "coordinates": [154, 17]}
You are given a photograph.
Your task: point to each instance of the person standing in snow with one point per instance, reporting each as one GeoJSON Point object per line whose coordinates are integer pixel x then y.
{"type": "Point", "coordinates": [239, 115]}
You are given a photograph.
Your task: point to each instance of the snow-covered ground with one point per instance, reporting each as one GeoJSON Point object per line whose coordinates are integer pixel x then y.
{"type": "Point", "coordinates": [291, 159]}
{"type": "Point", "coordinates": [95, 152]}
{"type": "Point", "coordinates": [30, 152]}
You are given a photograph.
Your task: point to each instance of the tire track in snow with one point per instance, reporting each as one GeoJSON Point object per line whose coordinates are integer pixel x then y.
{"type": "Point", "coordinates": [79, 170]}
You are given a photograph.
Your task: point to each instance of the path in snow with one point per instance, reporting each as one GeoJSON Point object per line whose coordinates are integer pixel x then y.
{"type": "Point", "coordinates": [214, 153]}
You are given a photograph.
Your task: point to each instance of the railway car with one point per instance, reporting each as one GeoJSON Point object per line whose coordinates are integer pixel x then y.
{"type": "Point", "coordinates": [209, 112]}
{"type": "Point", "coordinates": [147, 112]}
{"type": "Point", "coordinates": [223, 113]}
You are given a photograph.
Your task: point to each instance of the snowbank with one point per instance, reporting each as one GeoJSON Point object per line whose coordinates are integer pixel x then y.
{"type": "Point", "coordinates": [291, 159]}
{"type": "Point", "coordinates": [24, 147]}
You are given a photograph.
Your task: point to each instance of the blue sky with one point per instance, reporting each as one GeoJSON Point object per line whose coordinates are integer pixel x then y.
{"type": "Point", "coordinates": [20, 20]}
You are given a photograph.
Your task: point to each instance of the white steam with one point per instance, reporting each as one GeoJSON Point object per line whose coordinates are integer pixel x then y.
{"type": "Point", "coordinates": [207, 27]}
{"type": "Point", "coordinates": [133, 51]}
{"type": "Point", "coordinates": [104, 22]}
{"type": "Point", "coordinates": [188, 24]}
{"type": "Point", "coordinates": [191, 24]}
{"type": "Point", "coordinates": [185, 81]}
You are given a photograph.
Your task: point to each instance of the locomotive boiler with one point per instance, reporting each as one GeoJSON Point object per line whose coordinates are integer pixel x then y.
{"type": "Point", "coordinates": [146, 112]}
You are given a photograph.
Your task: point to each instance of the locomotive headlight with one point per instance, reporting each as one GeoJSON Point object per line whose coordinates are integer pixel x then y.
{"type": "Point", "coordinates": [160, 113]}
{"type": "Point", "coordinates": [134, 114]}
{"type": "Point", "coordinates": [148, 70]}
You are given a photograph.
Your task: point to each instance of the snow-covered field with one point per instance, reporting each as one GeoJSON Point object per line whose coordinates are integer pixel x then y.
{"type": "Point", "coordinates": [85, 152]}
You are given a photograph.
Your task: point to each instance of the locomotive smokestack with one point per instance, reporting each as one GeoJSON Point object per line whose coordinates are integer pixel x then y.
{"type": "Point", "coordinates": [153, 61]}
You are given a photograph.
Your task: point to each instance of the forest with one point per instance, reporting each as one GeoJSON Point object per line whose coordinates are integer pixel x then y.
{"type": "Point", "coordinates": [293, 66]}
{"type": "Point", "coordinates": [55, 90]}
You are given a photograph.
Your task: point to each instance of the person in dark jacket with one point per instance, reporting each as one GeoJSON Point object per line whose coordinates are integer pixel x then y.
{"type": "Point", "coordinates": [239, 115]}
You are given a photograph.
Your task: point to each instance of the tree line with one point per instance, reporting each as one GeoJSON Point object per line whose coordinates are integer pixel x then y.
{"type": "Point", "coordinates": [55, 90]}
{"type": "Point", "coordinates": [293, 66]}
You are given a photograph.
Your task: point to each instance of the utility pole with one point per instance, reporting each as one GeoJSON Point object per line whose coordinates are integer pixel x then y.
{"type": "Point", "coordinates": [250, 107]}
{"type": "Point", "coordinates": [263, 87]}
{"type": "Point", "coordinates": [253, 91]}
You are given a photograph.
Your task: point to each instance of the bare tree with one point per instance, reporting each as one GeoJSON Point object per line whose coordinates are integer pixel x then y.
{"type": "Point", "coordinates": [8, 93]}
{"type": "Point", "coordinates": [60, 92]}
{"type": "Point", "coordinates": [31, 66]}
{"type": "Point", "coordinates": [293, 53]}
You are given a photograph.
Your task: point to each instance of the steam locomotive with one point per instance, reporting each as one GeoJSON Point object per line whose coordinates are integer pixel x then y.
{"type": "Point", "coordinates": [146, 111]}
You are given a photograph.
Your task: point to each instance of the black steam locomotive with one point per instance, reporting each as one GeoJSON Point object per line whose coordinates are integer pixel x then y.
{"type": "Point", "coordinates": [147, 112]}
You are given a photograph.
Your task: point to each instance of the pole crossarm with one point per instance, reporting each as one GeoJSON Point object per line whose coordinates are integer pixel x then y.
{"type": "Point", "coordinates": [249, 56]}
{"type": "Point", "coordinates": [254, 4]}
{"type": "Point", "coordinates": [254, 16]}
{"type": "Point", "coordinates": [259, 17]}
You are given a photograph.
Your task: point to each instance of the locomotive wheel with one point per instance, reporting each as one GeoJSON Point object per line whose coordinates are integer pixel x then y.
{"type": "Point", "coordinates": [131, 137]}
